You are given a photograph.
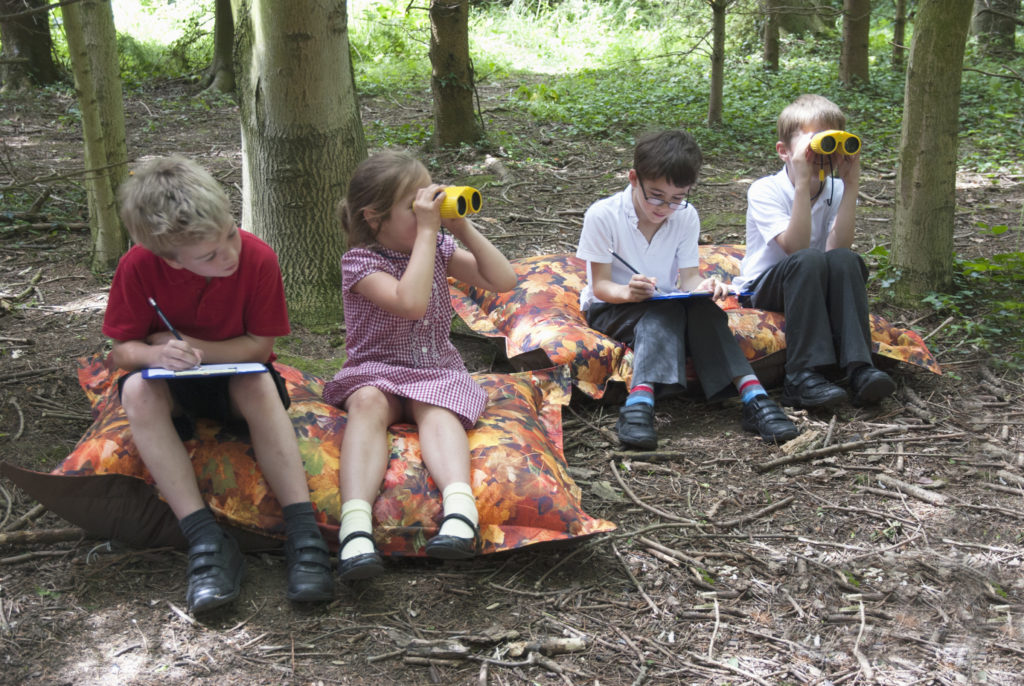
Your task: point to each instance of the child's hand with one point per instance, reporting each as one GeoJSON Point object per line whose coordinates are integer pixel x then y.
{"type": "Point", "coordinates": [848, 169]}
{"type": "Point", "coordinates": [716, 288]}
{"type": "Point", "coordinates": [803, 159]}
{"type": "Point", "coordinates": [178, 355]}
{"type": "Point", "coordinates": [427, 208]}
{"type": "Point", "coordinates": [457, 226]}
{"type": "Point", "coordinates": [641, 287]}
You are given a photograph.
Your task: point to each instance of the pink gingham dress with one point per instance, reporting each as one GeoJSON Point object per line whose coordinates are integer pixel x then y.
{"type": "Point", "coordinates": [404, 357]}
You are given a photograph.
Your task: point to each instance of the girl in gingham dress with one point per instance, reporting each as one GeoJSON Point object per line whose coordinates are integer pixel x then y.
{"type": "Point", "coordinates": [401, 364]}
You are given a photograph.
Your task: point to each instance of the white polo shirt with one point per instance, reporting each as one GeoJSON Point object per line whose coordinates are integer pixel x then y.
{"type": "Point", "coordinates": [611, 224]}
{"type": "Point", "coordinates": [769, 207]}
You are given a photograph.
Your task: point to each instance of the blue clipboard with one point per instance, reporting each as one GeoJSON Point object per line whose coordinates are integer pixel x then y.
{"type": "Point", "coordinates": [204, 371]}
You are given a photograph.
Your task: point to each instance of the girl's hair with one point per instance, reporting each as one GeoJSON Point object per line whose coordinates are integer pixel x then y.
{"type": "Point", "coordinates": [807, 110]}
{"type": "Point", "coordinates": [376, 185]}
{"type": "Point", "coordinates": [169, 202]}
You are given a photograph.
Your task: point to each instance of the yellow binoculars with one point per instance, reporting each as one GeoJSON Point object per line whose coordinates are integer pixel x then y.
{"type": "Point", "coordinates": [460, 201]}
{"type": "Point", "coordinates": [828, 142]}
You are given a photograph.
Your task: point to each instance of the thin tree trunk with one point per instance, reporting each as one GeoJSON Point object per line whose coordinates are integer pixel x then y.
{"type": "Point", "coordinates": [853, 61]}
{"type": "Point", "coordinates": [995, 24]}
{"type": "Point", "coordinates": [301, 140]}
{"type": "Point", "coordinates": [221, 74]}
{"type": "Point", "coordinates": [718, 8]}
{"type": "Point", "coordinates": [771, 35]}
{"type": "Point", "coordinates": [899, 34]}
{"type": "Point", "coordinates": [92, 45]}
{"type": "Point", "coordinates": [451, 79]}
{"type": "Point", "coordinates": [922, 241]}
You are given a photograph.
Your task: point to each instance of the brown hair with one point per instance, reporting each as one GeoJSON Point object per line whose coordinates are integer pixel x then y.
{"type": "Point", "coordinates": [806, 110]}
{"type": "Point", "coordinates": [375, 186]}
{"type": "Point", "coordinates": [671, 155]}
{"type": "Point", "coordinates": [169, 202]}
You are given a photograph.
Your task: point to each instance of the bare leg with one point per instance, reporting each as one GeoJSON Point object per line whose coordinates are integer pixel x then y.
{"type": "Point", "coordinates": [255, 398]}
{"type": "Point", "coordinates": [364, 450]}
{"type": "Point", "coordinates": [148, 405]}
{"type": "Point", "coordinates": [445, 449]}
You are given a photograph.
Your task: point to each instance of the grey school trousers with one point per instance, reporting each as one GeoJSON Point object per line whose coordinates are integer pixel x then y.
{"type": "Point", "coordinates": [663, 332]}
{"type": "Point", "coordinates": [824, 298]}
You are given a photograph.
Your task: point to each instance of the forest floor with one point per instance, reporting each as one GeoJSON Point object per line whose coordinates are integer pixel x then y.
{"type": "Point", "coordinates": [817, 572]}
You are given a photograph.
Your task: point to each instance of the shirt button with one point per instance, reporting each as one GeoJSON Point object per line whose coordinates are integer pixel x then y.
{"type": "Point", "coordinates": [423, 349]}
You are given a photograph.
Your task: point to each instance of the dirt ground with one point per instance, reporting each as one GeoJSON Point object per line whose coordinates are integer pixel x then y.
{"type": "Point", "coordinates": [821, 571]}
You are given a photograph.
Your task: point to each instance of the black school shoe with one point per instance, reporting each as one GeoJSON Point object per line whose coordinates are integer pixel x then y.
{"type": "Point", "coordinates": [309, 568]}
{"type": "Point", "coordinates": [454, 547]}
{"type": "Point", "coordinates": [363, 566]}
{"type": "Point", "coordinates": [215, 571]}
{"type": "Point", "coordinates": [811, 390]}
{"type": "Point", "coordinates": [870, 384]}
{"type": "Point", "coordinates": [762, 416]}
{"type": "Point", "coordinates": [636, 426]}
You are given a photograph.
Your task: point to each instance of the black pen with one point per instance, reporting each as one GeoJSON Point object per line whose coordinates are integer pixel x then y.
{"type": "Point", "coordinates": [631, 267]}
{"type": "Point", "coordinates": [160, 314]}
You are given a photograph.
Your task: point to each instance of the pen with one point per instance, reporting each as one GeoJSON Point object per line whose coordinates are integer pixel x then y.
{"type": "Point", "coordinates": [164, 320]}
{"type": "Point", "coordinates": [629, 266]}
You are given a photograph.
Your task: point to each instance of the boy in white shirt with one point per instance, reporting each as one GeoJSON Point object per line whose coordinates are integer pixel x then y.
{"type": "Point", "coordinates": [651, 227]}
{"type": "Point", "coordinates": [800, 227]}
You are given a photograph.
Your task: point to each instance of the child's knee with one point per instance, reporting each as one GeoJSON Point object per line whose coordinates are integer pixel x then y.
{"type": "Point", "coordinates": [368, 401]}
{"type": "Point", "coordinates": [145, 397]}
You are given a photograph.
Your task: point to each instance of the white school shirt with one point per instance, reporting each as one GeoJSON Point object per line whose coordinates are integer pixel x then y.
{"type": "Point", "coordinates": [611, 223]}
{"type": "Point", "coordinates": [769, 207]}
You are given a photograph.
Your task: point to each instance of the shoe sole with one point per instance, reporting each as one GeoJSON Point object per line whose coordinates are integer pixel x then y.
{"type": "Point", "coordinates": [772, 438]}
{"type": "Point", "coordinates": [449, 551]}
{"type": "Point", "coordinates": [364, 569]}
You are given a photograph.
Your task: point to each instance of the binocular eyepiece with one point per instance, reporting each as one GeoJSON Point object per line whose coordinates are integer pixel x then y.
{"type": "Point", "coordinates": [460, 201]}
{"type": "Point", "coordinates": [828, 142]}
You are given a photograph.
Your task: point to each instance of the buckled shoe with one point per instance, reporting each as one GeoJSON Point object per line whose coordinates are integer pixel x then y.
{"type": "Point", "coordinates": [215, 571]}
{"type": "Point", "coordinates": [762, 416]}
{"type": "Point", "coordinates": [811, 390]}
{"type": "Point", "coordinates": [869, 385]}
{"type": "Point", "coordinates": [454, 547]}
{"type": "Point", "coordinates": [636, 426]}
{"type": "Point", "coordinates": [309, 568]}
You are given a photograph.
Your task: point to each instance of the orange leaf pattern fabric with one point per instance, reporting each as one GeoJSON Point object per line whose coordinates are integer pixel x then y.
{"type": "Point", "coordinates": [524, 493]}
{"type": "Point", "coordinates": [542, 324]}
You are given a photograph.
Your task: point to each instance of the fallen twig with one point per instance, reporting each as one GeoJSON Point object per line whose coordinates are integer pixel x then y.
{"type": "Point", "coordinates": [44, 536]}
{"type": "Point", "coordinates": [729, 523]}
{"type": "Point", "coordinates": [830, 450]}
{"type": "Point", "coordinates": [649, 508]}
{"type": "Point", "coordinates": [916, 491]}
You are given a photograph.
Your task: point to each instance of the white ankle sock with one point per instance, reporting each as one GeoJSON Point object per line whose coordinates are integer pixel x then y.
{"type": "Point", "coordinates": [356, 515]}
{"type": "Point", "coordinates": [458, 498]}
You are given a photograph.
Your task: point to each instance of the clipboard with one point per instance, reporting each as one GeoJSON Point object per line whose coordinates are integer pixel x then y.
{"type": "Point", "coordinates": [204, 371]}
{"type": "Point", "coordinates": [693, 294]}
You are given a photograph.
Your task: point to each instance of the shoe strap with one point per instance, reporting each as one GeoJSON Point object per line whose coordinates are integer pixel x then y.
{"type": "Point", "coordinates": [354, 535]}
{"type": "Point", "coordinates": [460, 517]}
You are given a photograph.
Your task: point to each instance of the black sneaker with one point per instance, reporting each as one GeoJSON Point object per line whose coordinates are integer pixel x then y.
{"type": "Point", "coordinates": [762, 416]}
{"type": "Point", "coordinates": [636, 426]}
{"type": "Point", "coordinates": [870, 384]}
{"type": "Point", "coordinates": [215, 570]}
{"type": "Point", "coordinates": [810, 390]}
{"type": "Point", "coordinates": [309, 569]}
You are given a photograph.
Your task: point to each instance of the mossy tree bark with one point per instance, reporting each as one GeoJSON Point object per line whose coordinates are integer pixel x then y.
{"type": "Point", "coordinates": [301, 140]}
{"type": "Point", "coordinates": [92, 45]}
{"type": "Point", "coordinates": [27, 45]}
{"type": "Point", "coordinates": [770, 55]}
{"type": "Point", "coordinates": [451, 77]}
{"type": "Point", "coordinates": [718, 8]}
{"type": "Point", "coordinates": [922, 241]}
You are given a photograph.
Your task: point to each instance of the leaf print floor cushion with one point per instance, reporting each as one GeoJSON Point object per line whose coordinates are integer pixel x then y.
{"type": "Point", "coordinates": [541, 323]}
{"type": "Point", "coordinates": [523, 491]}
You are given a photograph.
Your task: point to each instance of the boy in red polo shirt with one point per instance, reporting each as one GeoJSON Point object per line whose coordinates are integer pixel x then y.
{"type": "Point", "coordinates": [220, 289]}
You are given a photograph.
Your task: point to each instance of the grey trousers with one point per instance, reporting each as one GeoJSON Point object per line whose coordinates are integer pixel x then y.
{"type": "Point", "coordinates": [663, 332]}
{"type": "Point", "coordinates": [824, 298]}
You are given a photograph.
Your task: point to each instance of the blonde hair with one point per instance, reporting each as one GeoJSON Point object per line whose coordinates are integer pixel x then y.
{"type": "Point", "coordinates": [806, 110]}
{"type": "Point", "coordinates": [375, 186]}
{"type": "Point", "coordinates": [169, 202]}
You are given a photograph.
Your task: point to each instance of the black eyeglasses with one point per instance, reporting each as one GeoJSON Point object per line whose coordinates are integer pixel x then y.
{"type": "Point", "coordinates": [658, 202]}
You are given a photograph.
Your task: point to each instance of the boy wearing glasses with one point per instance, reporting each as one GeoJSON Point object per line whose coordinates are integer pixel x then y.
{"type": "Point", "coordinates": [640, 243]}
{"type": "Point", "coordinates": [800, 227]}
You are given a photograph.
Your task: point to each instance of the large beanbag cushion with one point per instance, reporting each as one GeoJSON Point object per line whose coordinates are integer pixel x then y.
{"type": "Point", "coordinates": [542, 325]}
{"type": "Point", "coordinates": [523, 491]}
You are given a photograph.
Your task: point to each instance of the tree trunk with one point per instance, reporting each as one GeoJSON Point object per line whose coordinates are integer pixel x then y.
{"type": "Point", "coordinates": [92, 45]}
{"type": "Point", "coordinates": [771, 35]}
{"type": "Point", "coordinates": [922, 241]}
{"type": "Point", "coordinates": [27, 47]}
{"type": "Point", "coordinates": [899, 34]}
{"type": "Point", "coordinates": [301, 140]}
{"type": "Point", "coordinates": [853, 61]}
{"type": "Point", "coordinates": [995, 24]}
{"type": "Point", "coordinates": [451, 78]}
{"type": "Point", "coordinates": [717, 61]}
{"type": "Point", "coordinates": [220, 76]}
